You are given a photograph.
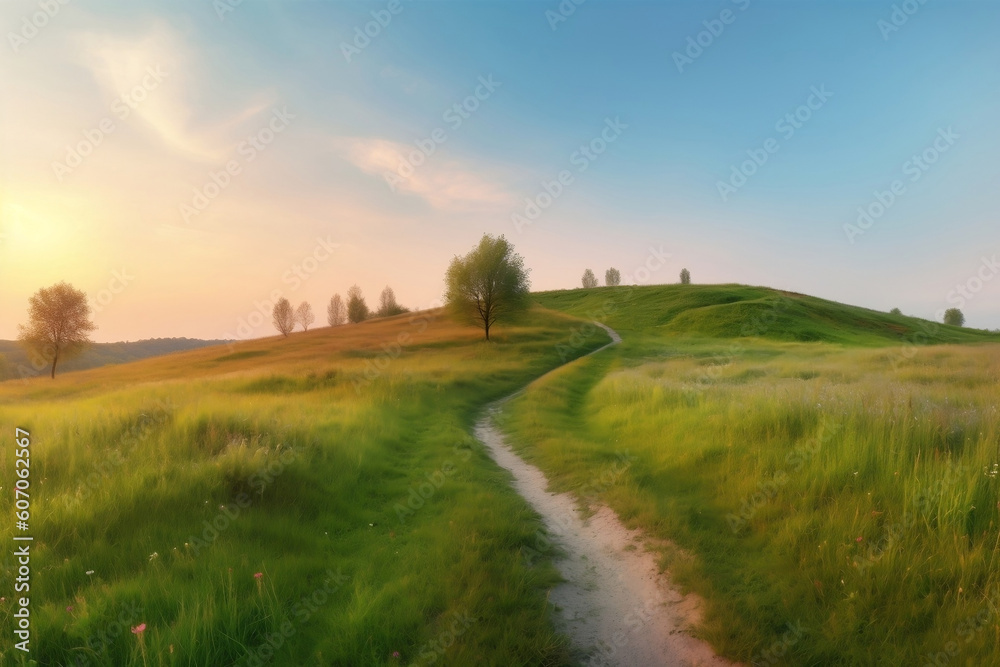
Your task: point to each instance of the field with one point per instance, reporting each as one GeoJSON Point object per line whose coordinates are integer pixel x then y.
{"type": "Point", "coordinates": [827, 477]}
{"type": "Point", "coordinates": [338, 464]}
{"type": "Point", "coordinates": [835, 502]}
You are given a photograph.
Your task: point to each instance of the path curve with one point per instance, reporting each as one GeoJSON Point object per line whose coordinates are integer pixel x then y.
{"type": "Point", "coordinates": [615, 606]}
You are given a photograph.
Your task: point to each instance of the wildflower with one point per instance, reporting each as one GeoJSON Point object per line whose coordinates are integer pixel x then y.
{"type": "Point", "coordinates": [395, 655]}
{"type": "Point", "coordinates": [89, 572]}
{"type": "Point", "coordinates": [154, 556]}
{"type": "Point", "coordinates": [139, 629]}
{"type": "Point", "coordinates": [69, 609]}
{"type": "Point", "coordinates": [258, 575]}
{"type": "Point", "coordinates": [858, 538]}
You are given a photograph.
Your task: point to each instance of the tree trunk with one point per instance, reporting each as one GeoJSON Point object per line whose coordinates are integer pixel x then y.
{"type": "Point", "coordinates": [487, 330]}
{"type": "Point", "coordinates": [55, 360]}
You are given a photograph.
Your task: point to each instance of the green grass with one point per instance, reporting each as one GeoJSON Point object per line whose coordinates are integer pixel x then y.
{"type": "Point", "coordinates": [762, 432]}
{"type": "Point", "coordinates": [847, 486]}
{"type": "Point", "coordinates": [337, 463]}
{"type": "Point", "coordinates": [729, 311]}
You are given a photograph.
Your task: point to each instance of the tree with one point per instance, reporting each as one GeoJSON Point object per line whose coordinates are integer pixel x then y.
{"type": "Point", "coordinates": [954, 317]}
{"type": "Point", "coordinates": [387, 304]}
{"type": "Point", "coordinates": [612, 277]}
{"type": "Point", "coordinates": [58, 325]}
{"type": "Point", "coordinates": [589, 279]}
{"type": "Point", "coordinates": [488, 285]}
{"type": "Point", "coordinates": [685, 277]}
{"type": "Point", "coordinates": [895, 311]}
{"type": "Point", "coordinates": [304, 315]}
{"type": "Point", "coordinates": [336, 314]}
{"type": "Point", "coordinates": [283, 316]}
{"type": "Point", "coordinates": [357, 309]}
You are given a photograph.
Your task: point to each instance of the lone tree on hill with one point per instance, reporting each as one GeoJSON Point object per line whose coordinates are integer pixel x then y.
{"type": "Point", "coordinates": [487, 285]}
{"type": "Point", "coordinates": [336, 313]}
{"type": "Point", "coordinates": [357, 309]}
{"type": "Point", "coordinates": [58, 325]}
{"type": "Point", "coordinates": [283, 317]}
{"type": "Point", "coordinates": [895, 311]}
{"type": "Point", "coordinates": [685, 277]}
{"type": "Point", "coordinates": [589, 279]}
{"type": "Point", "coordinates": [304, 315]}
{"type": "Point", "coordinates": [388, 305]}
{"type": "Point", "coordinates": [612, 277]}
{"type": "Point", "coordinates": [954, 317]}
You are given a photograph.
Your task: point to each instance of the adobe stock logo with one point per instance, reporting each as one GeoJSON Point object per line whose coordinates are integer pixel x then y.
{"type": "Point", "coordinates": [787, 125]}
{"type": "Point", "coordinates": [30, 25]}
{"type": "Point", "coordinates": [915, 168]}
{"type": "Point", "coordinates": [697, 44]}
{"type": "Point", "coordinates": [363, 36]}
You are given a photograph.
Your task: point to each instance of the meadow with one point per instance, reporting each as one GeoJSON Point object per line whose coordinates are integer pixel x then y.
{"type": "Point", "coordinates": [315, 500]}
{"type": "Point", "coordinates": [826, 476]}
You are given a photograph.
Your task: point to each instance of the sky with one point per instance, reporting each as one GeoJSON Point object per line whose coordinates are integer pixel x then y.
{"type": "Point", "coordinates": [186, 163]}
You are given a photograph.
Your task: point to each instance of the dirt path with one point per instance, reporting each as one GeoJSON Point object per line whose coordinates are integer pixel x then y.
{"type": "Point", "coordinates": [615, 606]}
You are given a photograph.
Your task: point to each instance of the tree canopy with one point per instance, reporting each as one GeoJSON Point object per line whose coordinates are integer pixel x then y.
{"type": "Point", "coordinates": [283, 317]}
{"type": "Point", "coordinates": [304, 315]}
{"type": "Point", "coordinates": [589, 279]}
{"type": "Point", "coordinates": [58, 325]}
{"type": "Point", "coordinates": [388, 306]}
{"type": "Point", "coordinates": [357, 309]}
{"type": "Point", "coordinates": [487, 285]}
{"type": "Point", "coordinates": [336, 313]}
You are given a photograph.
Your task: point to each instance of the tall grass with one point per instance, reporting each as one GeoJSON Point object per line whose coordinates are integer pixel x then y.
{"type": "Point", "coordinates": [256, 506]}
{"type": "Point", "coordinates": [848, 493]}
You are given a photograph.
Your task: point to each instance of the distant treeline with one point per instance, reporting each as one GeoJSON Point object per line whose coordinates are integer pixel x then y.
{"type": "Point", "coordinates": [14, 361]}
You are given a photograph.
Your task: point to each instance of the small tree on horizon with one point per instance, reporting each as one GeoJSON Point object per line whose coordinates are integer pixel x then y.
{"type": "Point", "coordinates": [283, 317]}
{"type": "Point", "coordinates": [304, 315]}
{"type": "Point", "coordinates": [487, 285]}
{"type": "Point", "coordinates": [388, 305]}
{"type": "Point", "coordinates": [612, 277]}
{"type": "Point", "coordinates": [685, 277]}
{"type": "Point", "coordinates": [954, 317]}
{"type": "Point", "coordinates": [336, 313]}
{"type": "Point", "coordinates": [895, 311]}
{"type": "Point", "coordinates": [58, 325]}
{"type": "Point", "coordinates": [589, 279]}
{"type": "Point", "coordinates": [357, 309]}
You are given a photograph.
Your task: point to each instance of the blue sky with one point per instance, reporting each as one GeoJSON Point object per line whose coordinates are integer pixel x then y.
{"type": "Point", "coordinates": [555, 87]}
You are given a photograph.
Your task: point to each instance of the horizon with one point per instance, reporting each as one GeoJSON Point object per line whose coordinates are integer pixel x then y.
{"type": "Point", "coordinates": [239, 149]}
{"type": "Point", "coordinates": [411, 312]}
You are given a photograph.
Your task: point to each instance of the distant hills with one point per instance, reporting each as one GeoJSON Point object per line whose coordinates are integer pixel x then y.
{"type": "Point", "coordinates": [14, 361]}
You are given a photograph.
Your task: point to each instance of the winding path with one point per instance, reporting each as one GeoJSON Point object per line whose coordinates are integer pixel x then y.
{"type": "Point", "coordinates": [615, 606]}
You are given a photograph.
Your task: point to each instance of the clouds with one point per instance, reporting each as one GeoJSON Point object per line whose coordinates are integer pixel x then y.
{"type": "Point", "coordinates": [421, 170]}
{"type": "Point", "coordinates": [180, 112]}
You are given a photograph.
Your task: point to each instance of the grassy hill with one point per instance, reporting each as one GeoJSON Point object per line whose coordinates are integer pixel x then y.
{"type": "Point", "coordinates": [312, 500]}
{"type": "Point", "coordinates": [14, 360]}
{"type": "Point", "coordinates": [319, 500]}
{"type": "Point", "coordinates": [827, 486]}
{"type": "Point", "coordinates": [728, 311]}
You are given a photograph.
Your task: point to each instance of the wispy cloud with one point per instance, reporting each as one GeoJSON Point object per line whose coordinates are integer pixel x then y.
{"type": "Point", "coordinates": [442, 182]}
{"type": "Point", "coordinates": [122, 65]}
